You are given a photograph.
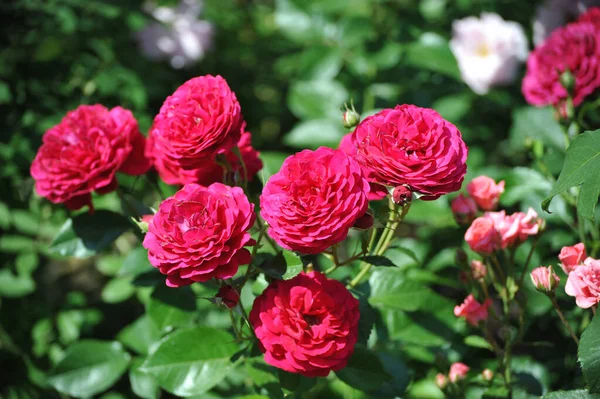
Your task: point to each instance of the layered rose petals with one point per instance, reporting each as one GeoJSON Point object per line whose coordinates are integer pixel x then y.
{"type": "Point", "coordinates": [472, 311]}
{"type": "Point", "coordinates": [377, 191]}
{"type": "Point", "coordinates": [412, 146]}
{"type": "Point", "coordinates": [312, 202]}
{"type": "Point", "coordinates": [584, 284]}
{"type": "Point", "coordinates": [574, 48]}
{"type": "Point", "coordinates": [306, 325]}
{"type": "Point", "coordinates": [200, 233]}
{"type": "Point", "coordinates": [572, 257]}
{"type": "Point", "coordinates": [83, 153]}
{"type": "Point", "coordinates": [485, 192]}
{"type": "Point", "coordinates": [199, 121]}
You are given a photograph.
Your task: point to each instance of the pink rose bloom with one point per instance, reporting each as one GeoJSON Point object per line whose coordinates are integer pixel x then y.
{"type": "Point", "coordinates": [485, 192]}
{"type": "Point", "coordinates": [312, 202]}
{"type": "Point", "coordinates": [592, 15]}
{"type": "Point", "coordinates": [458, 371]}
{"type": "Point", "coordinates": [307, 325]}
{"type": "Point", "coordinates": [200, 233]}
{"type": "Point", "coordinates": [377, 191]}
{"type": "Point", "coordinates": [544, 279]}
{"type": "Point", "coordinates": [482, 237]}
{"type": "Point", "coordinates": [210, 171]}
{"type": "Point", "coordinates": [516, 228]}
{"type": "Point", "coordinates": [584, 284]}
{"type": "Point", "coordinates": [464, 209]}
{"type": "Point", "coordinates": [574, 47]}
{"type": "Point", "coordinates": [412, 146]}
{"type": "Point", "coordinates": [200, 120]}
{"type": "Point", "coordinates": [84, 152]}
{"type": "Point", "coordinates": [571, 257]}
{"type": "Point", "coordinates": [472, 310]}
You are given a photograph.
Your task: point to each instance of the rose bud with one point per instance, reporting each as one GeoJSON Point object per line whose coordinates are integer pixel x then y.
{"type": "Point", "coordinates": [482, 237]}
{"type": "Point", "coordinates": [571, 257]}
{"type": "Point", "coordinates": [478, 270]}
{"type": "Point", "coordinates": [364, 222]}
{"type": "Point", "coordinates": [487, 374]}
{"type": "Point", "coordinates": [229, 296]}
{"type": "Point", "coordinates": [350, 118]}
{"type": "Point", "coordinates": [458, 372]}
{"type": "Point", "coordinates": [441, 381]}
{"type": "Point", "coordinates": [485, 192]}
{"type": "Point", "coordinates": [402, 195]}
{"type": "Point", "coordinates": [464, 209]}
{"type": "Point", "coordinates": [544, 279]}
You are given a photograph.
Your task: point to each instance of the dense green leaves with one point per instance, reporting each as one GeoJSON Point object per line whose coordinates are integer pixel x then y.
{"type": "Point", "coordinates": [533, 123]}
{"type": "Point", "coordinates": [576, 394]}
{"type": "Point", "coordinates": [317, 99]}
{"type": "Point", "coordinates": [142, 384]}
{"type": "Point", "coordinates": [140, 335]}
{"type": "Point", "coordinates": [89, 367]}
{"type": "Point", "coordinates": [315, 133]}
{"type": "Point", "coordinates": [364, 370]}
{"type": "Point", "coordinates": [191, 361]}
{"type": "Point", "coordinates": [86, 234]}
{"type": "Point", "coordinates": [589, 355]}
{"type": "Point", "coordinates": [169, 308]}
{"type": "Point", "coordinates": [582, 167]}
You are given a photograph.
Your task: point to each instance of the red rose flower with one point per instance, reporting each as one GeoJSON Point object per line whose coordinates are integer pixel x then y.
{"type": "Point", "coordinates": [592, 15]}
{"type": "Point", "coordinates": [200, 120]}
{"type": "Point", "coordinates": [312, 202]}
{"type": "Point", "coordinates": [83, 153]}
{"type": "Point", "coordinates": [200, 233]}
{"type": "Point", "coordinates": [412, 146]}
{"type": "Point", "coordinates": [576, 48]}
{"type": "Point", "coordinates": [306, 325]}
{"type": "Point", "coordinates": [377, 191]}
{"type": "Point", "coordinates": [210, 171]}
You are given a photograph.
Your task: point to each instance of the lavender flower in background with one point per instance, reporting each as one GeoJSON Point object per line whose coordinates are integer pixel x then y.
{"type": "Point", "coordinates": [555, 13]}
{"type": "Point", "coordinates": [488, 50]}
{"type": "Point", "coordinates": [177, 35]}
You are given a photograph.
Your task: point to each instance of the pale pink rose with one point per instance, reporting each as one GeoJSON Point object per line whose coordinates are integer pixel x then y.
{"type": "Point", "coordinates": [464, 209]}
{"type": "Point", "coordinates": [485, 192]}
{"type": "Point", "coordinates": [544, 279]}
{"type": "Point", "coordinates": [472, 310]}
{"type": "Point", "coordinates": [458, 371]}
{"type": "Point", "coordinates": [571, 257]}
{"type": "Point", "coordinates": [482, 237]}
{"type": "Point", "coordinates": [516, 228]}
{"type": "Point", "coordinates": [584, 284]}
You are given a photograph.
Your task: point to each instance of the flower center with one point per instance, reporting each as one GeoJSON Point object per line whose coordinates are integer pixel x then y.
{"type": "Point", "coordinates": [483, 50]}
{"type": "Point", "coordinates": [311, 320]}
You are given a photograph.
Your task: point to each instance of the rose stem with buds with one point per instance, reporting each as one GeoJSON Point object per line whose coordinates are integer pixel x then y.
{"type": "Point", "coordinates": [562, 318]}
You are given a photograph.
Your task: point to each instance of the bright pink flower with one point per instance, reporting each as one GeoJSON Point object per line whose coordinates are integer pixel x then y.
{"type": "Point", "coordinates": [458, 371]}
{"type": "Point", "coordinates": [544, 279]}
{"type": "Point", "coordinates": [516, 228]}
{"type": "Point", "coordinates": [584, 284]}
{"type": "Point", "coordinates": [592, 15]}
{"type": "Point", "coordinates": [482, 237]}
{"type": "Point", "coordinates": [229, 296]}
{"type": "Point", "coordinates": [306, 325]}
{"type": "Point", "coordinates": [83, 153]}
{"type": "Point", "coordinates": [200, 120]}
{"type": "Point", "coordinates": [571, 257]}
{"type": "Point", "coordinates": [412, 146]}
{"type": "Point", "coordinates": [485, 192]}
{"type": "Point", "coordinates": [574, 47]}
{"type": "Point", "coordinates": [210, 171]}
{"type": "Point", "coordinates": [464, 209]}
{"type": "Point", "coordinates": [200, 233]}
{"type": "Point", "coordinates": [377, 191]}
{"type": "Point", "coordinates": [312, 202]}
{"type": "Point", "coordinates": [472, 310]}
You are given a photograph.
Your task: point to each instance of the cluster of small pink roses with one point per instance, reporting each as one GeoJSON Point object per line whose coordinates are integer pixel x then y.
{"type": "Point", "coordinates": [306, 325]}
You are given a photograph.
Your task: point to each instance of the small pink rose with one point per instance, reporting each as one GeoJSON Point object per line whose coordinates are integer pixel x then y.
{"type": "Point", "coordinates": [571, 257]}
{"type": "Point", "coordinates": [464, 209]}
{"type": "Point", "coordinates": [458, 371]}
{"type": "Point", "coordinates": [472, 310]}
{"type": "Point", "coordinates": [485, 192]}
{"type": "Point", "coordinates": [482, 237]}
{"type": "Point", "coordinates": [584, 284]}
{"type": "Point", "coordinates": [544, 279]}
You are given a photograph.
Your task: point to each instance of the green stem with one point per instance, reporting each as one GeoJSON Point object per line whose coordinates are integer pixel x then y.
{"type": "Point", "coordinates": [529, 256]}
{"type": "Point", "coordinates": [562, 318]}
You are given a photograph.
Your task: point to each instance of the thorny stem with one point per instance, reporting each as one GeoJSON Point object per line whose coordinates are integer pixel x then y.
{"type": "Point", "coordinates": [562, 318]}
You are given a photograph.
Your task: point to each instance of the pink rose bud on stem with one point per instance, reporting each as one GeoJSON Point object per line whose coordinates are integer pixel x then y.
{"type": "Point", "coordinates": [464, 209]}
{"type": "Point", "coordinates": [478, 270]}
{"type": "Point", "coordinates": [571, 257]}
{"type": "Point", "coordinates": [229, 296]}
{"type": "Point", "coordinates": [482, 237]}
{"type": "Point", "coordinates": [545, 279]}
{"type": "Point", "coordinates": [485, 192]}
{"type": "Point", "coordinates": [441, 381]}
{"type": "Point", "coordinates": [458, 372]}
{"type": "Point", "coordinates": [473, 311]}
{"type": "Point", "coordinates": [402, 195]}
{"type": "Point", "coordinates": [487, 375]}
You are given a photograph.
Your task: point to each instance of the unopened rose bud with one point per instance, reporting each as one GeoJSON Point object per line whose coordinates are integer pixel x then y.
{"type": "Point", "coordinates": [364, 222]}
{"type": "Point", "coordinates": [143, 223]}
{"type": "Point", "coordinates": [487, 374]}
{"type": "Point", "coordinates": [464, 209]}
{"type": "Point", "coordinates": [441, 381]}
{"type": "Point", "coordinates": [458, 372]}
{"type": "Point", "coordinates": [402, 195]}
{"type": "Point", "coordinates": [478, 270]}
{"type": "Point", "coordinates": [567, 80]}
{"type": "Point", "coordinates": [350, 118]}
{"type": "Point", "coordinates": [229, 296]}
{"type": "Point", "coordinates": [544, 279]}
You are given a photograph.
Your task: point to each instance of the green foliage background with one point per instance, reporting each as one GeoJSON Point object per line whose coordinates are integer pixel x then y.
{"type": "Point", "coordinates": [292, 65]}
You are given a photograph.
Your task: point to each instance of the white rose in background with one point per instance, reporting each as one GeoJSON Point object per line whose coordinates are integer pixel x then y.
{"type": "Point", "coordinates": [177, 35]}
{"type": "Point", "coordinates": [488, 50]}
{"type": "Point", "coordinates": [556, 13]}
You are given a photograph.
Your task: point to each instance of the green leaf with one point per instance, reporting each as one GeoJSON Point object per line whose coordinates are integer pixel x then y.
{"type": "Point", "coordinates": [532, 123]}
{"type": "Point", "coordinates": [477, 342]}
{"type": "Point", "coordinates": [15, 286]}
{"type": "Point", "coordinates": [136, 263]}
{"type": "Point", "coordinates": [295, 382]}
{"type": "Point", "coordinates": [69, 323]}
{"type": "Point", "coordinates": [364, 371]}
{"type": "Point", "coordinates": [366, 321]}
{"type": "Point", "coordinates": [85, 234]}
{"type": "Point", "coordinates": [140, 335]}
{"type": "Point", "coordinates": [169, 308]}
{"type": "Point", "coordinates": [293, 263]}
{"type": "Point", "coordinates": [317, 99]}
{"type": "Point", "coordinates": [117, 290]}
{"type": "Point", "coordinates": [577, 394]}
{"type": "Point", "coordinates": [25, 222]}
{"type": "Point", "coordinates": [15, 244]}
{"type": "Point", "coordinates": [272, 162]}
{"type": "Point", "coordinates": [142, 384]}
{"type": "Point", "coordinates": [432, 56]}
{"type": "Point", "coordinates": [454, 107]}
{"type": "Point", "coordinates": [315, 133]}
{"type": "Point", "coordinates": [389, 289]}
{"type": "Point", "coordinates": [283, 266]}
{"type": "Point", "coordinates": [589, 355]}
{"type": "Point", "coordinates": [581, 167]}
{"type": "Point", "coordinates": [109, 264]}
{"type": "Point", "coordinates": [191, 361]}
{"type": "Point", "coordinates": [89, 367]}
{"type": "Point", "coordinates": [377, 260]}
